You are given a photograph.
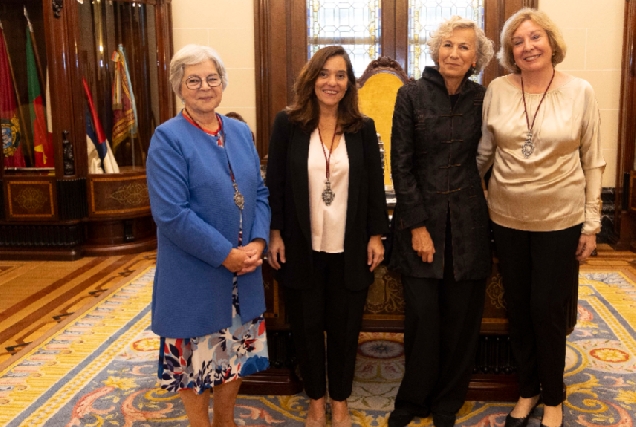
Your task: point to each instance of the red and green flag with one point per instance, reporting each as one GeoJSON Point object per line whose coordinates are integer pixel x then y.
{"type": "Point", "coordinates": [42, 146]}
{"type": "Point", "coordinates": [13, 156]}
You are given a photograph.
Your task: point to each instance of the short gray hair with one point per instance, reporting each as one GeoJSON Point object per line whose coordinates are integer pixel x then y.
{"type": "Point", "coordinates": [193, 54]}
{"type": "Point", "coordinates": [485, 49]}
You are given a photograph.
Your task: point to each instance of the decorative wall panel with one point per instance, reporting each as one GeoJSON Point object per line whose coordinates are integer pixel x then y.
{"type": "Point", "coordinates": [31, 199]}
{"type": "Point", "coordinates": [115, 195]}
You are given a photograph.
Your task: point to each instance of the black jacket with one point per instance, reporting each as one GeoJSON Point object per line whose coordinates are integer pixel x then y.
{"type": "Point", "coordinates": [434, 169]}
{"type": "Point", "coordinates": [288, 182]}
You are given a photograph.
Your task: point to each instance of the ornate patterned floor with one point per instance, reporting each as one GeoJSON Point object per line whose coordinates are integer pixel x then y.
{"type": "Point", "coordinates": [97, 365]}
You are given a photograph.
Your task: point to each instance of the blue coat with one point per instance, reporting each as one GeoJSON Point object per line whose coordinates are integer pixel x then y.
{"type": "Point", "coordinates": [191, 198]}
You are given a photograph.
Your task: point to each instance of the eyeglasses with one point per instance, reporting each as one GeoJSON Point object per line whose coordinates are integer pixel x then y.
{"type": "Point", "coordinates": [195, 82]}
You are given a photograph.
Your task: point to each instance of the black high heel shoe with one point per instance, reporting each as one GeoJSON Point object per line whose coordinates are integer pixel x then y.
{"type": "Point", "coordinates": [521, 422]}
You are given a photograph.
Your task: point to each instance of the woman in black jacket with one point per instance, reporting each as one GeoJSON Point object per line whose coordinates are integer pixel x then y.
{"type": "Point", "coordinates": [328, 214]}
{"type": "Point", "coordinates": [441, 236]}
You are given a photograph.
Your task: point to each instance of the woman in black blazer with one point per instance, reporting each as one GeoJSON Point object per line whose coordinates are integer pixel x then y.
{"type": "Point", "coordinates": [328, 215]}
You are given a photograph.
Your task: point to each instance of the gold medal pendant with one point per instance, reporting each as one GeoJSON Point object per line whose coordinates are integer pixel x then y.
{"type": "Point", "coordinates": [327, 194]}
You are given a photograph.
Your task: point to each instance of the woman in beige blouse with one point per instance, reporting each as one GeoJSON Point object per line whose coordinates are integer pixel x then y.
{"type": "Point", "coordinates": [541, 136]}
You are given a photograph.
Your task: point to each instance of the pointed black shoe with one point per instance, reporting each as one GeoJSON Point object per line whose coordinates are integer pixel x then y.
{"type": "Point", "coordinates": [404, 413]}
{"type": "Point", "coordinates": [444, 419]}
{"type": "Point", "coordinates": [521, 422]}
{"type": "Point", "coordinates": [400, 417]}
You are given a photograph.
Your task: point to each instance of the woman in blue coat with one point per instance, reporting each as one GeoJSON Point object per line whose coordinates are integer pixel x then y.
{"type": "Point", "coordinates": [212, 214]}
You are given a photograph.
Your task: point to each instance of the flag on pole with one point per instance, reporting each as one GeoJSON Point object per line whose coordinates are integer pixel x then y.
{"type": "Point", "coordinates": [42, 146]}
{"type": "Point", "coordinates": [124, 109]}
{"type": "Point", "coordinates": [100, 156]}
{"type": "Point", "coordinates": [93, 152]}
{"type": "Point", "coordinates": [49, 113]}
{"type": "Point", "coordinates": [13, 156]}
{"type": "Point", "coordinates": [34, 45]}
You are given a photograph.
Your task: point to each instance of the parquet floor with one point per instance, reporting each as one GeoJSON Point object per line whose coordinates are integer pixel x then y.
{"type": "Point", "coordinates": [37, 297]}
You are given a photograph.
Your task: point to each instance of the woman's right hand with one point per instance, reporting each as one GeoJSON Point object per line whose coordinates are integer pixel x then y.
{"type": "Point", "coordinates": [276, 251]}
{"type": "Point", "coordinates": [235, 260]}
{"type": "Point", "coordinates": [423, 244]}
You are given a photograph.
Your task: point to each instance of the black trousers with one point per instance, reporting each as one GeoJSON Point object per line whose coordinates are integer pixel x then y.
{"type": "Point", "coordinates": [441, 335]}
{"type": "Point", "coordinates": [328, 307]}
{"type": "Point", "coordinates": [538, 271]}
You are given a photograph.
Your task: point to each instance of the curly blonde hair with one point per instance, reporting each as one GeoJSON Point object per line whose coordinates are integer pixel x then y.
{"type": "Point", "coordinates": [485, 49]}
{"type": "Point", "coordinates": [557, 43]}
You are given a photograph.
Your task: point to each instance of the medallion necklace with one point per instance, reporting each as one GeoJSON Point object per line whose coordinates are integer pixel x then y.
{"type": "Point", "coordinates": [327, 194]}
{"type": "Point", "coordinates": [528, 146]}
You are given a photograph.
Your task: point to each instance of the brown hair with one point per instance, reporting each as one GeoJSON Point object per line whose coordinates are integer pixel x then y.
{"type": "Point", "coordinates": [505, 55]}
{"type": "Point", "coordinates": [237, 116]}
{"type": "Point", "coordinates": [305, 111]}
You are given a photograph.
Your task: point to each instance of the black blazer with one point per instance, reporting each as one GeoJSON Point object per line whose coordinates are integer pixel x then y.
{"type": "Point", "coordinates": [288, 182]}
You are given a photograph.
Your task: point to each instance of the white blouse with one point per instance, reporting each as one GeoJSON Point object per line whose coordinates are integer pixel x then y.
{"type": "Point", "coordinates": [328, 222]}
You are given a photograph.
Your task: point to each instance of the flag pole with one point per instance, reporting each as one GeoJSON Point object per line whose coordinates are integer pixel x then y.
{"type": "Point", "coordinates": [17, 97]}
{"type": "Point", "coordinates": [35, 48]}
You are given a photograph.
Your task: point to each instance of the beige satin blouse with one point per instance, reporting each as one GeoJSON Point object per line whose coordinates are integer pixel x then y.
{"type": "Point", "coordinates": [559, 184]}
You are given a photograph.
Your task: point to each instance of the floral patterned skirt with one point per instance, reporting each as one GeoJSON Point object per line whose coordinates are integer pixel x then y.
{"type": "Point", "coordinates": [201, 363]}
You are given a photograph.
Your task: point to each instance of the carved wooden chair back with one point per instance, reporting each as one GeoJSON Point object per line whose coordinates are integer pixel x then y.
{"type": "Point", "coordinates": [377, 90]}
